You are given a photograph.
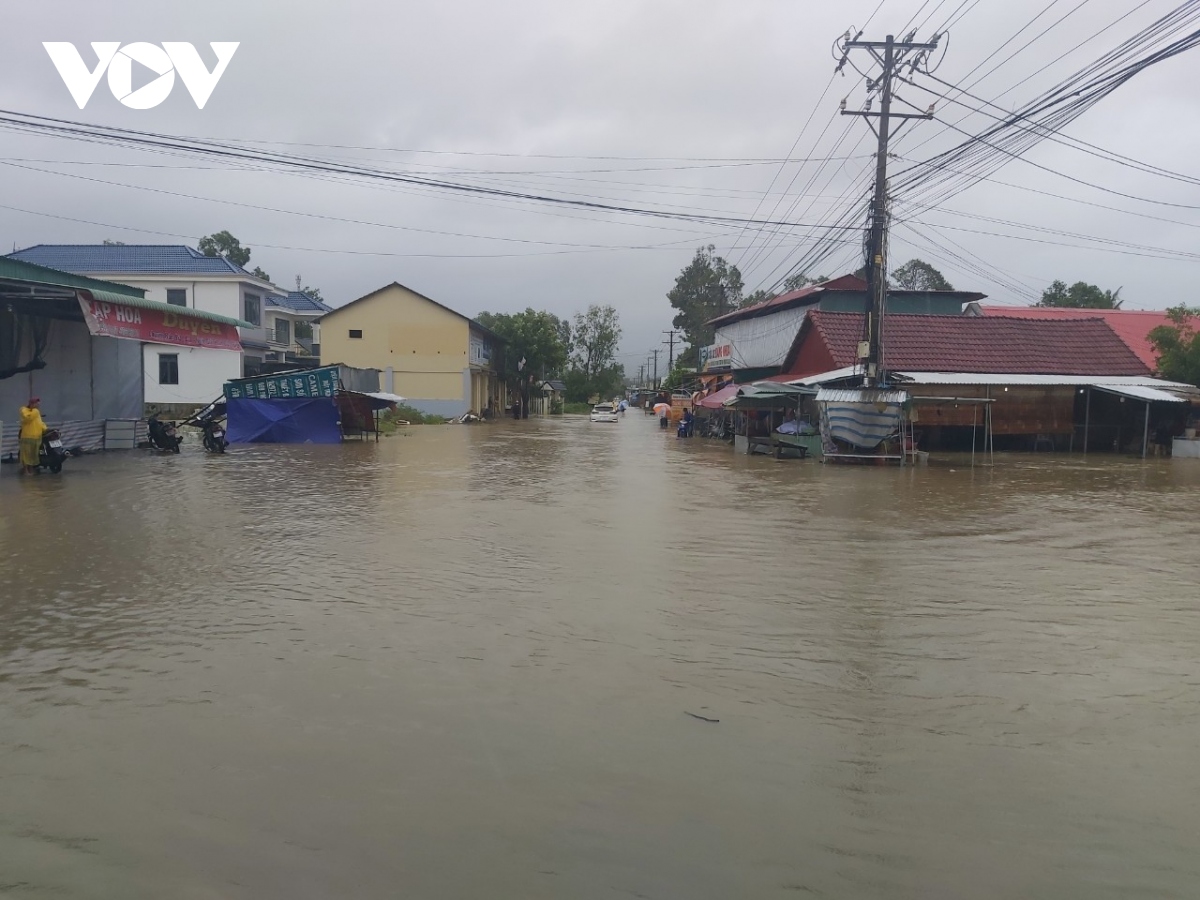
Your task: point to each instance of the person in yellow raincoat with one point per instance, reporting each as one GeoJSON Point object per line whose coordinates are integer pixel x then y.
{"type": "Point", "coordinates": [32, 429]}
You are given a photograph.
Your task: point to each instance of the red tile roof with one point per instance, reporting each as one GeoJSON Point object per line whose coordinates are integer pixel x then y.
{"type": "Point", "coordinates": [1003, 344]}
{"type": "Point", "coordinates": [1131, 325]}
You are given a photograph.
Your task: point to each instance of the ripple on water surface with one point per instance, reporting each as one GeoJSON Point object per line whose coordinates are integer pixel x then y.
{"type": "Point", "coordinates": [461, 662]}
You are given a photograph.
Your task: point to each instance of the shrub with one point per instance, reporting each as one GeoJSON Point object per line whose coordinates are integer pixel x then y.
{"type": "Point", "coordinates": [392, 419]}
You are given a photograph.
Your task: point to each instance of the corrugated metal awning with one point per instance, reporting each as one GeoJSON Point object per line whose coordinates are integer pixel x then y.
{"type": "Point", "coordinates": [860, 395]}
{"type": "Point", "coordinates": [1145, 394]}
{"type": "Point", "coordinates": [823, 377]}
{"type": "Point", "coordinates": [142, 303]}
{"type": "Point", "coordinates": [714, 400]}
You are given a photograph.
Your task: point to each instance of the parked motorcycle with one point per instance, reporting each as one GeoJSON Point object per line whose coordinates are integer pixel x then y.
{"type": "Point", "coordinates": [163, 436]}
{"type": "Point", "coordinates": [210, 421]}
{"type": "Point", "coordinates": [52, 453]}
{"type": "Point", "coordinates": [214, 436]}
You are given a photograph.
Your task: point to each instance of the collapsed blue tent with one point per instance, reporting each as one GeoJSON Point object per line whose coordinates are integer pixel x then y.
{"type": "Point", "coordinates": [299, 420]}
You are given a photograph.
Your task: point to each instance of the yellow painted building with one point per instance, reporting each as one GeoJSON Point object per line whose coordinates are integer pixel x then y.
{"type": "Point", "coordinates": [442, 362]}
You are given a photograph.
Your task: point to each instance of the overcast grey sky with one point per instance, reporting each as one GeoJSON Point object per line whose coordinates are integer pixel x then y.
{"type": "Point", "coordinates": [648, 103]}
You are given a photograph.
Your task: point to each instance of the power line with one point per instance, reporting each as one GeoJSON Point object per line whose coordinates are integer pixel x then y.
{"type": "Point", "coordinates": [73, 130]}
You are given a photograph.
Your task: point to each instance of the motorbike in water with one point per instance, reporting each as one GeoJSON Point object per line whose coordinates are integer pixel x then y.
{"type": "Point", "coordinates": [210, 421]}
{"type": "Point", "coordinates": [163, 436]}
{"type": "Point", "coordinates": [52, 453]}
{"type": "Point", "coordinates": [214, 436]}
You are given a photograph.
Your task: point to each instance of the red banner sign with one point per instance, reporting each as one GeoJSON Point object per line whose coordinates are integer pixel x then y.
{"type": "Point", "coordinates": [156, 326]}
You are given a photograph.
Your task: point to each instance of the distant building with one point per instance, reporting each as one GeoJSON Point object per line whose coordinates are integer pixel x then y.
{"type": "Point", "coordinates": [177, 379]}
{"type": "Point", "coordinates": [753, 342]}
{"type": "Point", "coordinates": [548, 399]}
{"type": "Point", "coordinates": [1062, 383]}
{"type": "Point", "coordinates": [441, 361]}
{"type": "Point", "coordinates": [284, 345]}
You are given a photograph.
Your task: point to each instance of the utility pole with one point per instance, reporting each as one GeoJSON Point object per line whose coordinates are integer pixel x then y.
{"type": "Point", "coordinates": [656, 352]}
{"type": "Point", "coordinates": [891, 55]}
{"type": "Point", "coordinates": [642, 375]}
{"type": "Point", "coordinates": [670, 342]}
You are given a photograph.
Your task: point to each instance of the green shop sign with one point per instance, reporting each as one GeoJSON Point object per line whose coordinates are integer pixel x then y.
{"type": "Point", "coordinates": [312, 383]}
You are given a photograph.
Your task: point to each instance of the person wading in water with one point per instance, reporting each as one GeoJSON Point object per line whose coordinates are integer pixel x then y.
{"type": "Point", "coordinates": [32, 429]}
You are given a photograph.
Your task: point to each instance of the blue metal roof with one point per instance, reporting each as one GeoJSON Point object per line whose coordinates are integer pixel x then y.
{"type": "Point", "coordinates": [299, 302]}
{"type": "Point", "coordinates": [129, 259]}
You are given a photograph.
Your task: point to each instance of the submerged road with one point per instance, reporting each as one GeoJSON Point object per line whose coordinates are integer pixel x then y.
{"type": "Point", "coordinates": [563, 660]}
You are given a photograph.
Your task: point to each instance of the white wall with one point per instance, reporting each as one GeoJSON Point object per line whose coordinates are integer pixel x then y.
{"type": "Point", "coordinates": [219, 297]}
{"type": "Point", "coordinates": [202, 373]}
{"type": "Point", "coordinates": [764, 341]}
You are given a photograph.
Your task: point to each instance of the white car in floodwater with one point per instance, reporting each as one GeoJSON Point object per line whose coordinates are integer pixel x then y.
{"type": "Point", "coordinates": [604, 412]}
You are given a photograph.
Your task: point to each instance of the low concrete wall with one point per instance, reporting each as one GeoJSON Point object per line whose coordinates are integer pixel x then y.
{"type": "Point", "coordinates": [88, 435]}
{"type": "Point", "coordinates": [451, 409]}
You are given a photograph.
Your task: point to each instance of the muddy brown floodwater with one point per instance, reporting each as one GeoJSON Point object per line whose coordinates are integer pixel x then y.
{"type": "Point", "coordinates": [460, 664]}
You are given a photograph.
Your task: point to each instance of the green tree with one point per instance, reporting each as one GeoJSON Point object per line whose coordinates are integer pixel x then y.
{"type": "Point", "coordinates": [918, 275]}
{"type": "Point", "coordinates": [1080, 295]}
{"type": "Point", "coordinates": [1178, 345]}
{"type": "Point", "coordinates": [706, 288]}
{"type": "Point", "coordinates": [225, 244]}
{"type": "Point", "coordinates": [678, 377]}
{"type": "Point", "coordinates": [759, 296]}
{"type": "Point", "coordinates": [594, 369]}
{"type": "Point", "coordinates": [535, 346]}
{"type": "Point", "coordinates": [801, 280]}
{"type": "Point", "coordinates": [259, 273]}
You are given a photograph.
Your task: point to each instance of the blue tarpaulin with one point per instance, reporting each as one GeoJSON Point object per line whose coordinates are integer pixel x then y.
{"type": "Point", "coordinates": [307, 420]}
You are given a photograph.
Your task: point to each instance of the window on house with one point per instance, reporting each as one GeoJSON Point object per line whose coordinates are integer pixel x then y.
{"type": "Point", "coordinates": [283, 331]}
{"type": "Point", "coordinates": [177, 296]}
{"type": "Point", "coordinates": [253, 304]}
{"type": "Point", "coordinates": [356, 332]}
{"type": "Point", "coordinates": [168, 368]}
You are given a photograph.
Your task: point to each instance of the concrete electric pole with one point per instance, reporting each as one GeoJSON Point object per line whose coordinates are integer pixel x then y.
{"type": "Point", "coordinates": [891, 56]}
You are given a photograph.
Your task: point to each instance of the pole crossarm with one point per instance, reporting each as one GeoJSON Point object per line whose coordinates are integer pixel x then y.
{"type": "Point", "coordinates": [897, 45]}
{"type": "Point", "coordinates": [876, 115]}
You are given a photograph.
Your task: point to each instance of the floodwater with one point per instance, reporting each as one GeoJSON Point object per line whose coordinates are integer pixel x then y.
{"type": "Point", "coordinates": [472, 662]}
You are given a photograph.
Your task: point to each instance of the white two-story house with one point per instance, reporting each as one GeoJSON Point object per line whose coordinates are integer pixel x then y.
{"type": "Point", "coordinates": [177, 378]}
{"type": "Point", "coordinates": [286, 318]}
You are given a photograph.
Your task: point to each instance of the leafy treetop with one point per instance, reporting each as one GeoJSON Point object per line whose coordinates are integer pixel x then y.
{"type": "Point", "coordinates": [706, 288]}
{"type": "Point", "coordinates": [1080, 295]}
{"type": "Point", "coordinates": [539, 338]}
{"type": "Point", "coordinates": [1178, 345]}
{"type": "Point", "coordinates": [918, 275]}
{"type": "Point", "coordinates": [225, 244]}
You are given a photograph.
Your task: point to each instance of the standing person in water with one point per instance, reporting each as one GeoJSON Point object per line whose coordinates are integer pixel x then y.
{"type": "Point", "coordinates": [32, 429]}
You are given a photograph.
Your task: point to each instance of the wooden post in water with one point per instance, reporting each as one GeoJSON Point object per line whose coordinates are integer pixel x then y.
{"type": "Point", "coordinates": [1146, 430]}
{"type": "Point", "coordinates": [1087, 417]}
